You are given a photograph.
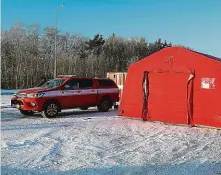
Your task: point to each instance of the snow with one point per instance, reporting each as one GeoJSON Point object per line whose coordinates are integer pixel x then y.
{"type": "Point", "coordinates": [5, 100]}
{"type": "Point", "coordinates": [91, 142]}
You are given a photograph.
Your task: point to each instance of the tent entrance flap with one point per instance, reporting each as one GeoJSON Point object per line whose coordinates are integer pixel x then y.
{"type": "Point", "coordinates": [166, 97]}
{"type": "Point", "coordinates": [145, 85]}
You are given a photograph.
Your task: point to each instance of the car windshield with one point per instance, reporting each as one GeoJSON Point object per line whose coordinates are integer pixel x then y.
{"type": "Point", "coordinates": [52, 83]}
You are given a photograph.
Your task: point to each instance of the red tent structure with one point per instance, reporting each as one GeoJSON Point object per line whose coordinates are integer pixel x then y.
{"type": "Point", "coordinates": [174, 85]}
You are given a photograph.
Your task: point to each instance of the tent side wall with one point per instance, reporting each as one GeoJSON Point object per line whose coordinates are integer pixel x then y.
{"type": "Point", "coordinates": [131, 98]}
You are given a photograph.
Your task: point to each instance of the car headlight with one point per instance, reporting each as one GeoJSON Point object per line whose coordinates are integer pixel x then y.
{"type": "Point", "coordinates": [38, 95]}
{"type": "Point", "coordinates": [21, 95]}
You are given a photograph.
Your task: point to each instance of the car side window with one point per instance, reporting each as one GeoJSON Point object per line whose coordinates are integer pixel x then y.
{"type": "Point", "coordinates": [72, 84]}
{"type": "Point", "coordinates": [85, 84]}
{"type": "Point", "coordinates": [106, 83]}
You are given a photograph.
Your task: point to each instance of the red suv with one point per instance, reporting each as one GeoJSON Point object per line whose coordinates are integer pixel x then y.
{"type": "Point", "coordinates": [66, 93]}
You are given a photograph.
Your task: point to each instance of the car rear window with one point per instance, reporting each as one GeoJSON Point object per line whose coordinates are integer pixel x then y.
{"type": "Point", "coordinates": [106, 83]}
{"type": "Point", "coordinates": [76, 84]}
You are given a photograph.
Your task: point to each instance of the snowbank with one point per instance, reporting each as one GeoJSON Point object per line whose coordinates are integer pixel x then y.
{"type": "Point", "coordinates": [8, 91]}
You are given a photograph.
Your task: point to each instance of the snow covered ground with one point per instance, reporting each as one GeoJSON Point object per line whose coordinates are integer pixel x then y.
{"type": "Point", "coordinates": [89, 142]}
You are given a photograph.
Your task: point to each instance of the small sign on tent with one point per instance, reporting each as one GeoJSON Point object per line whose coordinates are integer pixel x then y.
{"type": "Point", "coordinates": [208, 83]}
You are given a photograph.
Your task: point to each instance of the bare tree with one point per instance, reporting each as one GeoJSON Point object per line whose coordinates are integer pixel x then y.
{"type": "Point", "coordinates": [28, 54]}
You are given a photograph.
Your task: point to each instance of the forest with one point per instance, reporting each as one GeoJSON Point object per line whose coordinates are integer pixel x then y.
{"type": "Point", "coordinates": [28, 53]}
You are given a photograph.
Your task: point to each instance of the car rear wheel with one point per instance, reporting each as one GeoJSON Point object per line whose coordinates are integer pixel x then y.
{"type": "Point", "coordinates": [104, 105]}
{"type": "Point", "coordinates": [27, 113]}
{"type": "Point", "coordinates": [50, 110]}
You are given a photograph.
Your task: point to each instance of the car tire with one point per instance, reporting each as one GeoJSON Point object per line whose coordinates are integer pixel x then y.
{"type": "Point", "coordinates": [26, 113]}
{"type": "Point", "coordinates": [104, 105]}
{"type": "Point", "coordinates": [84, 108]}
{"type": "Point", "coordinates": [50, 110]}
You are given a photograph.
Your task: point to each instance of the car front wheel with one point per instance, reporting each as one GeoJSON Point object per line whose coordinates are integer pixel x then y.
{"type": "Point", "coordinates": [50, 110]}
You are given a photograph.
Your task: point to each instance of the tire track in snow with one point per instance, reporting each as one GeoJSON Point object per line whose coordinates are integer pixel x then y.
{"type": "Point", "coordinates": [52, 158]}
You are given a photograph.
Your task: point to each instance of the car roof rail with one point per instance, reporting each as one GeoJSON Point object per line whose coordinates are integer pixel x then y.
{"type": "Point", "coordinates": [66, 76]}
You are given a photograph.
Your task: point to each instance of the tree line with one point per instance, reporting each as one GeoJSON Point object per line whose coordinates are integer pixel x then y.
{"type": "Point", "coordinates": [27, 54]}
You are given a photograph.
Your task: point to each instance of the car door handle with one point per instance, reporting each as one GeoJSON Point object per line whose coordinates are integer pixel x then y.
{"type": "Point", "coordinates": [78, 91]}
{"type": "Point", "coordinates": [92, 90]}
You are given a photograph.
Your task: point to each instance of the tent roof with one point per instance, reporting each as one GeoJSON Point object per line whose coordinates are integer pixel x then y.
{"type": "Point", "coordinates": [209, 56]}
{"type": "Point", "coordinates": [203, 54]}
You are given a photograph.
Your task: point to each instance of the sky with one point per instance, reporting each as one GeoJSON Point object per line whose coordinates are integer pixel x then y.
{"type": "Point", "coordinates": [192, 23]}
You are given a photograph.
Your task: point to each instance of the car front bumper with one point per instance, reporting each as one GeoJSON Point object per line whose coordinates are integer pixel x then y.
{"type": "Point", "coordinates": [29, 104]}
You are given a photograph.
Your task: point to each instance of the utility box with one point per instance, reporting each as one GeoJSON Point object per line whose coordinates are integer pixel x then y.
{"type": "Point", "coordinates": [119, 78]}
